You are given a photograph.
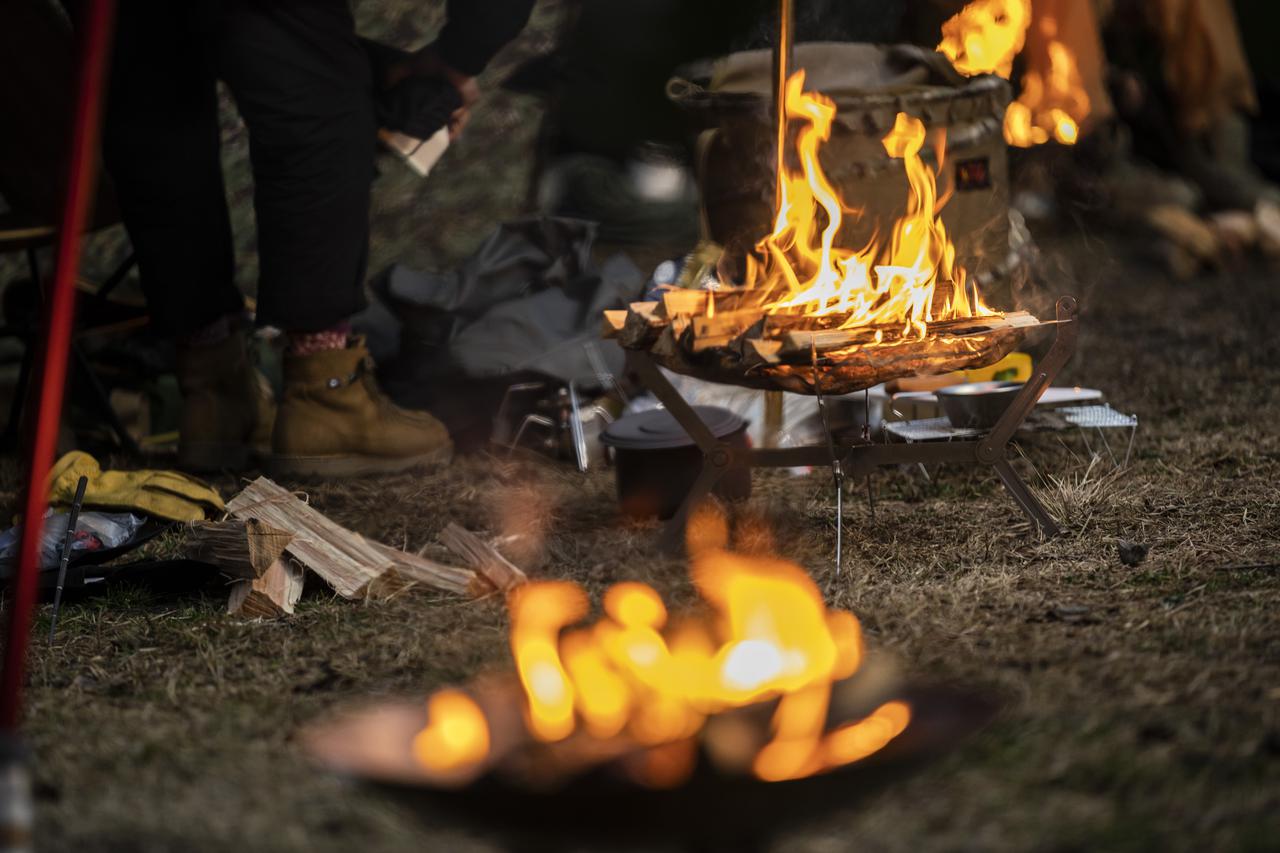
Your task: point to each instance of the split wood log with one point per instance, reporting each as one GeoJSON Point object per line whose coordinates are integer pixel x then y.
{"type": "Point", "coordinates": [271, 595]}
{"type": "Point", "coordinates": [756, 351]}
{"type": "Point", "coordinates": [612, 323]}
{"type": "Point", "coordinates": [414, 568]}
{"type": "Point", "coordinates": [800, 343]}
{"type": "Point", "coordinates": [241, 548]}
{"type": "Point", "coordinates": [642, 325]}
{"type": "Point", "coordinates": [483, 557]}
{"type": "Point", "coordinates": [346, 561]}
{"type": "Point", "coordinates": [676, 303]}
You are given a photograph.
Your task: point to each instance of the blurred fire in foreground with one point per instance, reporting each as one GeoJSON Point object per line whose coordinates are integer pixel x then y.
{"type": "Point", "coordinates": [639, 677]}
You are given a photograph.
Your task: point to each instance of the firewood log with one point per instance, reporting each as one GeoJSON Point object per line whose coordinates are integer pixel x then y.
{"type": "Point", "coordinates": [611, 323]}
{"type": "Point", "coordinates": [483, 557]}
{"type": "Point", "coordinates": [642, 325]}
{"type": "Point", "coordinates": [243, 549]}
{"type": "Point", "coordinates": [272, 594]}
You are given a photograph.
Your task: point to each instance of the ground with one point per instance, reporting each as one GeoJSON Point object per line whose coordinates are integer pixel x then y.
{"type": "Point", "coordinates": [1139, 704]}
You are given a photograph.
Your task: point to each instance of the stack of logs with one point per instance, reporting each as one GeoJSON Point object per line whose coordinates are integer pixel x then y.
{"type": "Point", "coordinates": [725, 336]}
{"type": "Point", "coordinates": [272, 538]}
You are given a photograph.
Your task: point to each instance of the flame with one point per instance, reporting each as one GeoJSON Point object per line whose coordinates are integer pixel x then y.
{"type": "Point", "coordinates": [636, 672]}
{"type": "Point", "coordinates": [801, 267]}
{"type": "Point", "coordinates": [456, 735]}
{"type": "Point", "coordinates": [1053, 100]}
{"type": "Point", "coordinates": [538, 612]}
{"type": "Point", "coordinates": [986, 35]}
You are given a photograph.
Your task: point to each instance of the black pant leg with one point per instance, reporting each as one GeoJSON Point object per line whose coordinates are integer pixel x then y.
{"type": "Point", "coordinates": [160, 144]}
{"type": "Point", "coordinates": [302, 83]}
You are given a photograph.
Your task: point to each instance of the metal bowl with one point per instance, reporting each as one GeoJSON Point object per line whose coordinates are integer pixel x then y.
{"type": "Point", "coordinates": [977, 405]}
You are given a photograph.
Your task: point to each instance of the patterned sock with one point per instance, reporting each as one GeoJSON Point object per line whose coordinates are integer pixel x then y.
{"type": "Point", "coordinates": [307, 343]}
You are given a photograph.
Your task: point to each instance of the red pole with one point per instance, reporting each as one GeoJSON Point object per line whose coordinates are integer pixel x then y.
{"type": "Point", "coordinates": [95, 44]}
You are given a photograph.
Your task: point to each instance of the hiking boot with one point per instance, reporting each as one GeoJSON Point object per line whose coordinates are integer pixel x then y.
{"type": "Point", "coordinates": [334, 422]}
{"type": "Point", "coordinates": [224, 405]}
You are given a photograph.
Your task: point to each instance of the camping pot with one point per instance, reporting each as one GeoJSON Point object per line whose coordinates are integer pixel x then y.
{"type": "Point", "coordinates": [657, 462]}
{"type": "Point", "coordinates": [730, 102]}
{"type": "Point", "coordinates": [977, 405]}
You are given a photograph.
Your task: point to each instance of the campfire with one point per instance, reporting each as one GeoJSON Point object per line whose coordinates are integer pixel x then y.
{"type": "Point", "coordinates": [749, 683]}
{"type": "Point", "coordinates": [812, 310]}
{"type": "Point", "coordinates": [760, 687]}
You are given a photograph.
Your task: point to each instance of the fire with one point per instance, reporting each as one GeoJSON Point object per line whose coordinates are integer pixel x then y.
{"type": "Point", "coordinates": [986, 35]}
{"type": "Point", "coordinates": [456, 735]}
{"type": "Point", "coordinates": [802, 269]}
{"type": "Point", "coordinates": [638, 673]}
{"type": "Point", "coordinates": [1053, 100]}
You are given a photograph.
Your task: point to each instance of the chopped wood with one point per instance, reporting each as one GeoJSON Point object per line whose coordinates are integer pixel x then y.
{"type": "Point", "coordinates": [801, 342]}
{"type": "Point", "coordinates": [756, 351]}
{"type": "Point", "coordinates": [642, 325]}
{"type": "Point", "coordinates": [242, 548]}
{"type": "Point", "coordinates": [346, 561]}
{"type": "Point", "coordinates": [612, 323]}
{"type": "Point", "coordinates": [483, 557]}
{"type": "Point", "coordinates": [271, 595]}
{"type": "Point", "coordinates": [414, 568]}
{"type": "Point", "coordinates": [676, 303]}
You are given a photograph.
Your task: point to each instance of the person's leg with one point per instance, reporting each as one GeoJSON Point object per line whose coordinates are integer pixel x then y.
{"type": "Point", "coordinates": [302, 82]}
{"type": "Point", "coordinates": [160, 146]}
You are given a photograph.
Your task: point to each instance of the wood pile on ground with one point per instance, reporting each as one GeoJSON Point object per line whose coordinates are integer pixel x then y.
{"type": "Point", "coordinates": [725, 336]}
{"type": "Point", "coordinates": [272, 537]}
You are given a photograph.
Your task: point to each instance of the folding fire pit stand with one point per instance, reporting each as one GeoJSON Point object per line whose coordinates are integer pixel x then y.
{"type": "Point", "coordinates": [859, 460]}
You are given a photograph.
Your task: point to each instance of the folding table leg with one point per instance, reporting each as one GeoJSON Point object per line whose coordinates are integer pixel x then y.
{"type": "Point", "coordinates": [1032, 507]}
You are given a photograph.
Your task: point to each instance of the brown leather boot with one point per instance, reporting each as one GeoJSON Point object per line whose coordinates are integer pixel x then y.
{"type": "Point", "coordinates": [334, 422]}
{"type": "Point", "coordinates": [223, 405]}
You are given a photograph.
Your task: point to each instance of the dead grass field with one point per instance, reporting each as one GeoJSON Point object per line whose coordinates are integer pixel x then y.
{"type": "Point", "coordinates": [1140, 703]}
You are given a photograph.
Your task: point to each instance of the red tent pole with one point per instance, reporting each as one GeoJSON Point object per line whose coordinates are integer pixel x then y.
{"type": "Point", "coordinates": [95, 45]}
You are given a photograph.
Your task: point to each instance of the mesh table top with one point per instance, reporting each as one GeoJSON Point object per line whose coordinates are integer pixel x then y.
{"type": "Point", "coordinates": [1100, 416]}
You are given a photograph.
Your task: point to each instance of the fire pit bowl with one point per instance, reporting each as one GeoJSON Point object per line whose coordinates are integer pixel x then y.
{"type": "Point", "coordinates": [602, 808]}
{"type": "Point", "coordinates": [977, 405]}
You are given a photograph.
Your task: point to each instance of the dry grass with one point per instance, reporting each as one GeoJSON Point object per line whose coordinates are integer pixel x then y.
{"type": "Point", "coordinates": [1140, 703]}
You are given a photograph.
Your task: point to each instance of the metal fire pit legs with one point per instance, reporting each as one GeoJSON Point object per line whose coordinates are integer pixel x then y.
{"type": "Point", "coordinates": [861, 459]}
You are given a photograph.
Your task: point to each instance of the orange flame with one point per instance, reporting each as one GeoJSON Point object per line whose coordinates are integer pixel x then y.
{"type": "Point", "coordinates": [769, 635]}
{"type": "Point", "coordinates": [986, 35]}
{"type": "Point", "coordinates": [803, 269]}
{"type": "Point", "coordinates": [456, 734]}
{"type": "Point", "coordinates": [1053, 100]}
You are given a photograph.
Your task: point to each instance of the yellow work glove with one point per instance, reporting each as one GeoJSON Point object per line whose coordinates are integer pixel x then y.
{"type": "Point", "coordinates": [161, 494]}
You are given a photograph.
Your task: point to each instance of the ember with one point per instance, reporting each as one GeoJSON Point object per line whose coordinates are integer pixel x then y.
{"type": "Point", "coordinates": [639, 676]}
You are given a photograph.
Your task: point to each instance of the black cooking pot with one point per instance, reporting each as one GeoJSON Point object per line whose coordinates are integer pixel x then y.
{"type": "Point", "coordinates": [657, 462]}
{"type": "Point", "coordinates": [977, 405]}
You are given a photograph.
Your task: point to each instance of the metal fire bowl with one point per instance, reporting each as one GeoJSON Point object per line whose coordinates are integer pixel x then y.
{"type": "Point", "coordinates": [711, 811]}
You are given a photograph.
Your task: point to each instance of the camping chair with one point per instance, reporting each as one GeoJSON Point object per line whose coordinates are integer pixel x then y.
{"type": "Point", "coordinates": [35, 96]}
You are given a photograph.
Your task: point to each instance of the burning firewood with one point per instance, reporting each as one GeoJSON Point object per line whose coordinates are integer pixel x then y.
{"type": "Point", "coordinates": [813, 315]}
{"type": "Point", "coordinates": [771, 685]}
